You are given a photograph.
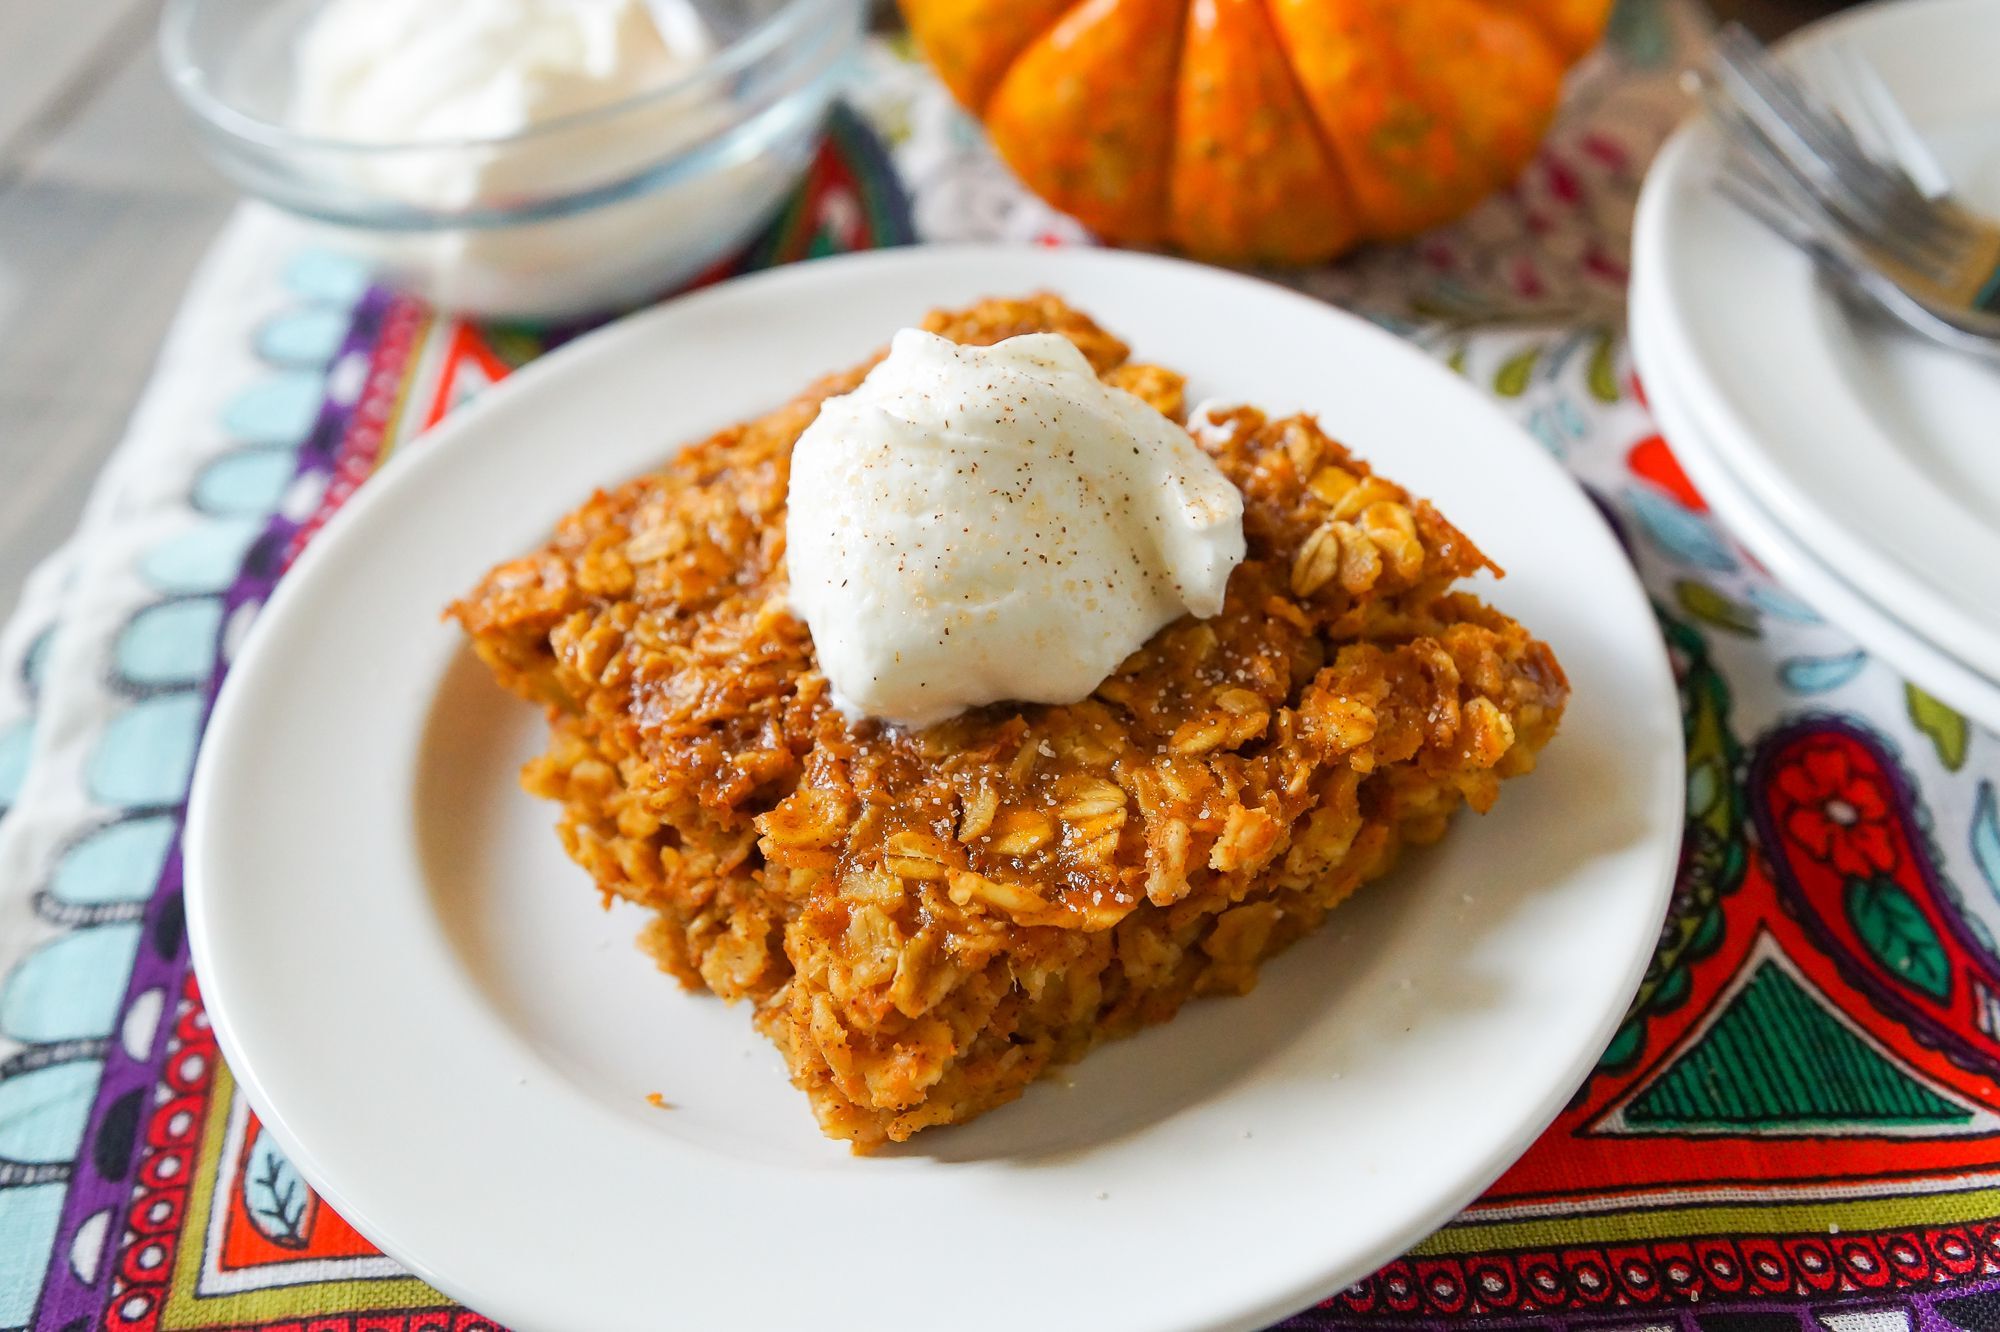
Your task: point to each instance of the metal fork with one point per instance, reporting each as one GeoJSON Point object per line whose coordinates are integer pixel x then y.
{"type": "Point", "coordinates": [1870, 213]}
{"type": "Point", "coordinates": [1846, 81]}
{"type": "Point", "coordinates": [1875, 192]}
{"type": "Point", "coordinates": [1863, 288]}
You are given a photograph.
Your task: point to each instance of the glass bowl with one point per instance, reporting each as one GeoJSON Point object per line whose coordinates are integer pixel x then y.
{"type": "Point", "coordinates": [590, 212]}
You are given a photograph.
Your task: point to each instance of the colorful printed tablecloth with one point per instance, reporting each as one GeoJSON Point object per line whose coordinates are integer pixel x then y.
{"type": "Point", "coordinates": [1797, 1127]}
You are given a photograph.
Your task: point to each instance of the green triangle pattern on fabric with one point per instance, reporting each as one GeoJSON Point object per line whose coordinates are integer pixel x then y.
{"type": "Point", "coordinates": [1776, 1058]}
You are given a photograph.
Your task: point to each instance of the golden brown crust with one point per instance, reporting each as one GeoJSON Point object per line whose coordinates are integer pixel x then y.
{"type": "Point", "coordinates": [926, 921]}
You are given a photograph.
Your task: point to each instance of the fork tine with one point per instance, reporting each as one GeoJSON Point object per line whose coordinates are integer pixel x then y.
{"type": "Point", "coordinates": [1939, 231]}
{"type": "Point", "coordinates": [1760, 165]}
{"type": "Point", "coordinates": [1853, 98]}
{"type": "Point", "coordinates": [1850, 275]}
{"type": "Point", "coordinates": [1776, 175]}
{"type": "Point", "coordinates": [1819, 129]}
{"type": "Point", "coordinates": [1752, 71]}
{"type": "Point", "coordinates": [1823, 77]}
{"type": "Point", "coordinates": [1877, 202]}
{"type": "Point", "coordinates": [1765, 104]}
{"type": "Point", "coordinates": [1809, 190]}
{"type": "Point", "coordinates": [1874, 105]}
{"type": "Point", "coordinates": [1834, 185]}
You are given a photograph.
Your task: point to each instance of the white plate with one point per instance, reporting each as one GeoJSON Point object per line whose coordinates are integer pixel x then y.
{"type": "Point", "coordinates": [1968, 690]}
{"type": "Point", "coordinates": [454, 1044]}
{"type": "Point", "coordinates": [1876, 452]}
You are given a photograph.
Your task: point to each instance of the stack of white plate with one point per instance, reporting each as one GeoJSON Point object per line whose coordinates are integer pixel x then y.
{"type": "Point", "coordinates": [1862, 467]}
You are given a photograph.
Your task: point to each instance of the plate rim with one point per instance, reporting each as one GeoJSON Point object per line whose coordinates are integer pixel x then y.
{"type": "Point", "coordinates": [1674, 177]}
{"type": "Point", "coordinates": [1790, 559]}
{"type": "Point", "coordinates": [202, 824]}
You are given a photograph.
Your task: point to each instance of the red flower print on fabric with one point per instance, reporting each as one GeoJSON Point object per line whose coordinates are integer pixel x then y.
{"type": "Point", "coordinates": [1835, 813]}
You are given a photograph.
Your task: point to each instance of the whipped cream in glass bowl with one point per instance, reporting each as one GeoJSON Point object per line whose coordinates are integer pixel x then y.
{"type": "Point", "coordinates": [975, 525]}
{"type": "Point", "coordinates": [531, 159]}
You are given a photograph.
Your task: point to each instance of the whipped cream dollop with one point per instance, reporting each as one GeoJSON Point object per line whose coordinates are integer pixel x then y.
{"type": "Point", "coordinates": [482, 107]}
{"type": "Point", "coordinates": [398, 71]}
{"type": "Point", "coordinates": [979, 524]}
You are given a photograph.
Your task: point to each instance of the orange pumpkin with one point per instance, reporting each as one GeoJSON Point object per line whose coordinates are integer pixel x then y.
{"type": "Point", "coordinates": [1259, 130]}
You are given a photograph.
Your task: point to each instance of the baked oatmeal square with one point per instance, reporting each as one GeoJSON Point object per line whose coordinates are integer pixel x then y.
{"type": "Point", "coordinates": [925, 921]}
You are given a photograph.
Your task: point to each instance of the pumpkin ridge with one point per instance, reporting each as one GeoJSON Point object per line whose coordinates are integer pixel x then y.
{"type": "Point", "coordinates": [1277, 197]}
{"type": "Point", "coordinates": [1327, 149]}
{"type": "Point", "coordinates": [1007, 65]}
{"type": "Point", "coordinates": [972, 44]}
{"type": "Point", "coordinates": [1084, 114]}
{"type": "Point", "coordinates": [1059, 15]}
{"type": "Point", "coordinates": [1173, 122]}
{"type": "Point", "coordinates": [1353, 150]}
{"type": "Point", "coordinates": [1179, 67]}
